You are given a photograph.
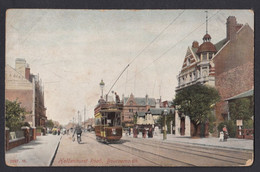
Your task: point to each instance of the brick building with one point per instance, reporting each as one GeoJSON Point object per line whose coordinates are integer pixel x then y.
{"type": "Point", "coordinates": [20, 84]}
{"type": "Point", "coordinates": [234, 65]}
{"type": "Point", "coordinates": [132, 104]}
{"type": "Point", "coordinates": [228, 65]}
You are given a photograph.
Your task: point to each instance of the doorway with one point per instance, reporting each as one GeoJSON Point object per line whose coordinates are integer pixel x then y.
{"type": "Point", "coordinates": [182, 129]}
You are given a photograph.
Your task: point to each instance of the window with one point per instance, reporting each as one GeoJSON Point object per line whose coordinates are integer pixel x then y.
{"type": "Point", "coordinates": [204, 56]}
{"type": "Point", "coordinates": [210, 56]}
{"type": "Point", "coordinates": [188, 61]}
{"type": "Point", "coordinates": [130, 110]}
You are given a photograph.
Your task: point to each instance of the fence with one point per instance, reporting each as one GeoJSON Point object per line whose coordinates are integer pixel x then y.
{"type": "Point", "coordinates": [16, 138]}
{"type": "Point", "coordinates": [245, 133]}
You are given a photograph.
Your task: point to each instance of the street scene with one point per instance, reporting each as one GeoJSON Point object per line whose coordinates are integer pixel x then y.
{"type": "Point", "coordinates": [171, 88]}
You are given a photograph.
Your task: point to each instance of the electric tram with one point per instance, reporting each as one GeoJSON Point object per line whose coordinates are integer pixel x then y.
{"type": "Point", "coordinates": [108, 126]}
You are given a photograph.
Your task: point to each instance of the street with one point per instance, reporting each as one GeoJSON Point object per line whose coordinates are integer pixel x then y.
{"type": "Point", "coordinates": [144, 152]}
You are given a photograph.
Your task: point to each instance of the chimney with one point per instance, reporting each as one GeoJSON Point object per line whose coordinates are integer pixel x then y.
{"type": "Point", "coordinates": [195, 44]}
{"type": "Point", "coordinates": [27, 72]}
{"type": "Point", "coordinates": [123, 99]}
{"type": "Point", "coordinates": [157, 104]}
{"type": "Point", "coordinates": [146, 99]}
{"type": "Point", "coordinates": [232, 27]}
{"type": "Point", "coordinates": [20, 65]}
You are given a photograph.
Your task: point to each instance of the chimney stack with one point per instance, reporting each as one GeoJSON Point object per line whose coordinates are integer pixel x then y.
{"type": "Point", "coordinates": [20, 65]}
{"type": "Point", "coordinates": [27, 72]}
{"type": "Point", "coordinates": [195, 44]}
{"type": "Point", "coordinates": [146, 99]}
{"type": "Point", "coordinates": [232, 27]}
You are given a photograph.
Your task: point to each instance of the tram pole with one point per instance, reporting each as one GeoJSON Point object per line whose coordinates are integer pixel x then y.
{"type": "Point", "coordinates": [78, 117]}
{"type": "Point", "coordinates": [84, 117]}
{"type": "Point", "coordinates": [165, 113]}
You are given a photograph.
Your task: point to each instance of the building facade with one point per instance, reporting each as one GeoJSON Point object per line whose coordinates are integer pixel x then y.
{"type": "Point", "coordinates": [227, 65]}
{"type": "Point", "coordinates": [132, 104]}
{"type": "Point", "coordinates": [21, 85]}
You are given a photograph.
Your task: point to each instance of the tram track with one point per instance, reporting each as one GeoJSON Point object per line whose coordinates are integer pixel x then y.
{"type": "Point", "coordinates": [198, 150]}
{"type": "Point", "coordinates": [148, 156]}
{"type": "Point", "coordinates": [201, 154]}
{"type": "Point", "coordinates": [166, 153]}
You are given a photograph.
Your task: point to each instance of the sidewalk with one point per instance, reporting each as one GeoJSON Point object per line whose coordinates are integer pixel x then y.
{"type": "Point", "coordinates": [38, 152]}
{"type": "Point", "coordinates": [231, 143]}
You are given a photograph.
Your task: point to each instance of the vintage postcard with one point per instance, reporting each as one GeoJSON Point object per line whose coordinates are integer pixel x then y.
{"type": "Point", "coordinates": [170, 88]}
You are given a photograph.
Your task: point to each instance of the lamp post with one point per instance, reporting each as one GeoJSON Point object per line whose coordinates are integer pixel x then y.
{"type": "Point", "coordinates": [102, 84]}
{"type": "Point", "coordinates": [165, 113]}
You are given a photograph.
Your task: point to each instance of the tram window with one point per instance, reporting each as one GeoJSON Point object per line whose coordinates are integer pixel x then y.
{"type": "Point", "coordinates": [97, 121]}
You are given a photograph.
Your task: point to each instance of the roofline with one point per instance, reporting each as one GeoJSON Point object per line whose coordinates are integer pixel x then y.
{"type": "Point", "coordinates": [221, 49]}
{"type": "Point", "coordinates": [240, 29]}
{"type": "Point", "coordinates": [239, 95]}
{"type": "Point", "coordinates": [193, 54]}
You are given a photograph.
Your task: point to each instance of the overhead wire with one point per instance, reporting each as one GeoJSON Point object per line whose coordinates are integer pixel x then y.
{"type": "Point", "coordinates": [146, 47]}
{"type": "Point", "coordinates": [165, 52]}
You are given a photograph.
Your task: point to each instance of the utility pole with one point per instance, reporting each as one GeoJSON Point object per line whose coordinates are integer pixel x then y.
{"type": "Point", "coordinates": [78, 117]}
{"type": "Point", "coordinates": [84, 117]}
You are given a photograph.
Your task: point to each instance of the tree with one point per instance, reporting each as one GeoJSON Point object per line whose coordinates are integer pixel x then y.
{"type": "Point", "coordinates": [14, 115]}
{"type": "Point", "coordinates": [241, 109]}
{"type": "Point", "coordinates": [169, 118]}
{"type": "Point", "coordinates": [49, 124]}
{"type": "Point", "coordinates": [196, 101]}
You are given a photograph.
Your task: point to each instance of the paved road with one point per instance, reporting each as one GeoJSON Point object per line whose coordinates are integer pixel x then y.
{"type": "Point", "coordinates": [144, 152]}
{"type": "Point", "coordinates": [93, 153]}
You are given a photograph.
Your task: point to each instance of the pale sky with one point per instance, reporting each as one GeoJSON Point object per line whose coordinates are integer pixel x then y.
{"type": "Point", "coordinates": [72, 50]}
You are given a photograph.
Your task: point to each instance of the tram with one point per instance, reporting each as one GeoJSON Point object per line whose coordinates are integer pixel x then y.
{"type": "Point", "coordinates": [108, 126]}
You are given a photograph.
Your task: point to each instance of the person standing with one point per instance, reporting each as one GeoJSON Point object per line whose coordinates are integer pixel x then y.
{"type": "Point", "coordinates": [225, 131]}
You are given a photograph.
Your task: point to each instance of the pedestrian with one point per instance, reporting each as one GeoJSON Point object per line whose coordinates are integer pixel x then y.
{"type": "Point", "coordinates": [58, 132]}
{"type": "Point", "coordinates": [225, 131]}
{"type": "Point", "coordinates": [117, 98]}
{"type": "Point", "coordinates": [78, 132]}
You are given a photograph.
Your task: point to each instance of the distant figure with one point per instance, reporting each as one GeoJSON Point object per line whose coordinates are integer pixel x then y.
{"type": "Point", "coordinates": [225, 131]}
{"type": "Point", "coordinates": [117, 98]}
{"type": "Point", "coordinates": [58, 132]}
{"type": "Point", "coordinates": [77, 131]}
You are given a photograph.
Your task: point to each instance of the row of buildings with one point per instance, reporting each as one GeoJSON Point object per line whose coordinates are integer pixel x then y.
{"type": "Point", "coordinates": [227, 65]}
{"type": "Point", "coordinates": [26, 88]}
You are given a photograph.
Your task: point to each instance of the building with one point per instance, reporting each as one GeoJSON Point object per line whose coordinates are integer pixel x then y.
{"type": "Point", "coordinates": [21, 85]}
{"type": "Point", "coordinates": [228, 65]}
{"type": "Point", "coordinates": [132, 104]}
{"type": "Point", "coordinates": [234, 65]}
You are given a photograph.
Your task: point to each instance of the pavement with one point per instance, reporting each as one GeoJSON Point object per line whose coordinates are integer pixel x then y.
{"type": "Point", "coordinates": [231, 143]}
{"type": "Point", "coordinates": [39, 152]}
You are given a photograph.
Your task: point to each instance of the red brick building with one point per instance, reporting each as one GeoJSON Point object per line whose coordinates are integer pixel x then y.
{"type": "Point", "coordinates": [132, 104]}
{"type": "Point", "coordinates": [234, 65]}
{"type": "Point", "coordinates": [228, 65]}
{"type": "Point", "coordinates": [20, 84]}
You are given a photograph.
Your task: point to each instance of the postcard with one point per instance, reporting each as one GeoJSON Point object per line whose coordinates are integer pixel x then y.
{"type": "Point", "coordinates": [129, 88]}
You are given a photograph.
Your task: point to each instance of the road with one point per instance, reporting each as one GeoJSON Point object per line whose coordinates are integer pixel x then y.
{"type": "Point", "coordinates": [144, 152]}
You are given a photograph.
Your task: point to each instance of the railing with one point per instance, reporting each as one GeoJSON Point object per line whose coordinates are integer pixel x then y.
{"type": "Point", "coordinates": [245, 133]}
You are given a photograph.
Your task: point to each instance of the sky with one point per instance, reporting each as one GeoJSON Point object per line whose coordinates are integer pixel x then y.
{"type": "Point", "coordinates": [72, 50]}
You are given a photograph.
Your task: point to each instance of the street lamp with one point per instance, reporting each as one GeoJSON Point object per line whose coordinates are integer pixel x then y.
{"type": "Point", "coordinates": [102, 84]}
{"type": "Point", "coordinates": [165, 113]}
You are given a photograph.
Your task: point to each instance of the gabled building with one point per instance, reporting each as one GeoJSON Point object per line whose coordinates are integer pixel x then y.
{"type": "Point", "coordinates": [228, 65]}
{"type": "Point", "coordinates": [132, 104]}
